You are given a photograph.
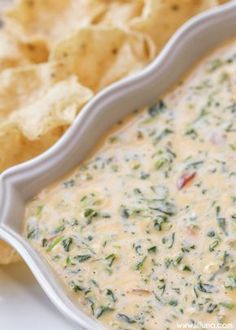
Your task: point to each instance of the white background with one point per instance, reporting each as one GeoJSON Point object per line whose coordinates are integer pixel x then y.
{"type": "Point", "coordinates": [23, 304]}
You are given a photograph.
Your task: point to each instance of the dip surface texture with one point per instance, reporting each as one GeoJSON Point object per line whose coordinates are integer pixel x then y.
{"type": "Point", "coordinates": [143, 233]}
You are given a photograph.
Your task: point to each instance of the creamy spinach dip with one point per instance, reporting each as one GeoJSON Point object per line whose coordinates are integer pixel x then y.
{"type": "Point", "coordinates": [143, 232]}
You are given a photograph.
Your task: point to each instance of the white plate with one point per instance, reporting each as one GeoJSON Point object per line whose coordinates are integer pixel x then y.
{"type": "Point", "coordinates": [23, 304]}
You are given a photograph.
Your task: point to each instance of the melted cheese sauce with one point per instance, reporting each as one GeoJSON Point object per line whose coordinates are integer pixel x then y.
{"type": "Point", "coordinates": [143, 233]}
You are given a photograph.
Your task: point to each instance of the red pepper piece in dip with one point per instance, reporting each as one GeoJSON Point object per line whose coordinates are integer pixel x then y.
{"type": "Point", "coordinates": [185, 179]}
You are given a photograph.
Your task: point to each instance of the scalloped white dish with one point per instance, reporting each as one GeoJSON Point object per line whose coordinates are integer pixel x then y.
{"type": "Point", "coordinates": [20, 183]}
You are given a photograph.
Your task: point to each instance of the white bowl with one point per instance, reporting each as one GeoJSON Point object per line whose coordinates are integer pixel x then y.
{"type": "Point", "coordinates": [22, 182]}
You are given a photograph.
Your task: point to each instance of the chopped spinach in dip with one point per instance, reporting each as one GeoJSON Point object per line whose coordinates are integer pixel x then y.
{"type": "Point", "coordinates": [143, 233]}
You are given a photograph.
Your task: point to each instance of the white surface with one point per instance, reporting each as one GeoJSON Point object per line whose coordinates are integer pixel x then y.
{"type": "Point", "coordinates": [22, 182]}
{"type": "Point", "coordinates": [23, 304]}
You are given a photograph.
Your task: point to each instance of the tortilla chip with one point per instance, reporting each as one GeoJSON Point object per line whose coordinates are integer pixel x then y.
{"type": "Point", "coordinates": [99, 55]}
{"type": "Point", "coordinates": [58, 107]}
{"type": "Point", "coordinates": [22, 87]}
{"type": "Point", "coordinates": [52, 20]}
{"type": "Point", "coordinates": [35, 101]}
{"type": "Point", "coordinates": [14, 53]}
{"type": "Point", "coordinates": [120, 12]}
{"type": "Point", "coordinates": [22, 149]}
{"type": "Point", "coordinates": [8, 139]}
{"type": "Point", "coordinates": [10, 52]}
{"type": "Point", "coordinates": [160, 19]}
{"type": "Point", "coordinates": [35, 52]}
{"type": "Point", "coordinates": [7, 254]}
{"type": "Point", "coordinates": [40, 24]}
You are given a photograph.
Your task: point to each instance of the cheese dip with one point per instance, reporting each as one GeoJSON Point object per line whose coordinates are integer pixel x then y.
{"type": "Point", "coordinates": [143, 232]}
